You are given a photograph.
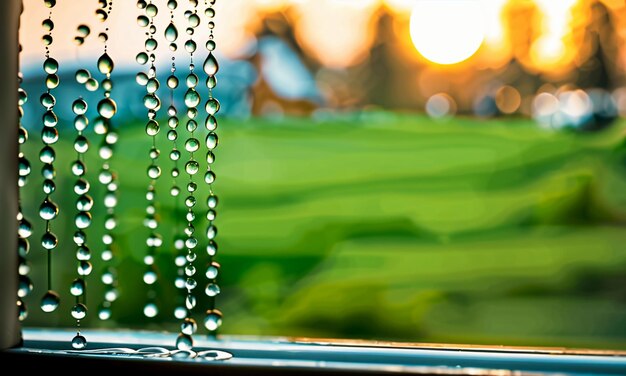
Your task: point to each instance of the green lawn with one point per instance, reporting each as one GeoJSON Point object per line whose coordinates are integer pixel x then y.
{"type": "Point", "coordinates": [382, 226]}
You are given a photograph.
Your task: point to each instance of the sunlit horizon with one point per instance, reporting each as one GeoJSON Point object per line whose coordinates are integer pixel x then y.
{"type": "Point", "coordinates": [321, 27]}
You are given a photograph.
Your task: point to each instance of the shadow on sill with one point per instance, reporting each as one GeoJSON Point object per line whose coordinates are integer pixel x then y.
{"type": "Point", "coordinates": [50, 350]}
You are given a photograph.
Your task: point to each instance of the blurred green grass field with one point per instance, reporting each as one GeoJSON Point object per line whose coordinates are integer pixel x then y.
{"type": "Point", "coordinates": [377, 226]}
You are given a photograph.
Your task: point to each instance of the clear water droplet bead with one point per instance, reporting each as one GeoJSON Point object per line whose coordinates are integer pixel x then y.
{"type": "Point", "coordinates": [192, 98]}
{"type": "Point", "coordinates": [79, 237]}
{"type": "Point", "coordinates": [50, 65]}
{"type": "Point", "coordinates": [210, 123]}
{"type": "Point", "coordinates": [151, 10]}
{"type": "Point", "coordinates": [101, 14]}
{"type": "Point", "coordinates": [209, 177]}
{"type": "Point", "coordinates": [22, 311]}
{"type": "Point", "coordinates": [212, 106]}
{"type": "Point", "coordinates": [50, 119]}
{"type": "Point", "coordinates": [142, 58]}
{"type": "Point", "coordinates": [49, 135]}
{"type": "Point", "coordinates": [210, 157]}
{"type": "Point", "coordinates": [152, 128]}
{"type": "Point", "coordinates": [171, 33]}
{"type": "Point", "coordinates": [212, 201]}
{"type": "Point", "coordinates": [47, 24]}
{"type": "Point", "coordinates": [175, 155]}
{"type": "Point", "coordinates": [25, 229]}
{"type": "Point", "coordinates": [104, 313]}
{"type": "Point", "coordinates": [49, 241]}
{"type": "Point", "coordinates": [143, 21]}
{"type": "Point", "coordinates": [107, 108]}
{"type": "Point", "coordinates": [83, 253]}
{"type": "Point", "coordinates": [172, 82]}
{"type": "Point", "coordinates": [180, 312]}
{"type": "Point", "coordinates": [150, 310]}
{"type": "Point", "coordinates": [191, 80]}
{"type": "Point", "coordinates": [154, 172]}
{"type": "Point", "coordinates": [84, 203]}
{"type": "Point", "coordinates": [212, 140]}
{"type": "Point", "coordinates": [212, 289]}
{"type": "Point", "coordinates": [141, 78]}
{"type": "Point", "coordinates": [152, 85]}
{"type": "Point", "coordinates": [151, 44]}
{"type": "Point", "coordinates": [190, 46]}
{"type": "Point", "coordinates": [82, 220]}
{"type": "Point", "coordinates": [81, 186]}
{"type": "Point", "coordinates": [80, 123]}
{"type": "Point", "coordinates": [83, 30]}
{"type": "Point", "coordinates": [48, 171]}
{"type": "Point", "coordinates": [190, 301]}
{"type": "Point", "coordinates": [84, 268]}
{"type": "Point", "coordinates": [82, 75]}
{"type": "Point", "coordinates": [48, 210]}
{"type": "Point", "coordinates": [213, 271]}
{"type": "Point", "coordinates": [151, 101]}
{"type": "Point", "coordinates": [188, 326]}
{"type": "Point", "coordinates": [79, 342]}
{"type": "Point", "coordinates": [190, 270]}
{"type": "Point", "coordinates": [105, 64]}
{"type": "Point", "coordinates": [149, 277]}
{"type": "Point", "coordinates": [50, 301]}
{"type": "Point", "coordinates": [192, 125]}
{"type": "Point", "coordinates": [52, 81]}
{"type": "Point", "coordinates": [105, 177]}
{"type": "Point", "coordinates": [22, 135]}
{"type": "Point", "coordinates": [48, 186]}
{"type": "Point", "coordinates": [23, 167]}
{"type": "Point", "coordinates": [192, 145]}
{"type": "Point", "coordinates": [211, 66]}
{"type": "Point", "coordinates": [107, 84]}
{"type": "Point", "coordinates": [192, 167]}
{"type": "Point", "coordinates": [79, 311]}
{"type": "Point", "coordinates": [213, 320]}
{"type": "Point", "coordinates": [184, 342]}
{"type": "Point", "coordinates": [92, 84]}
{"type": "Point", "coordinates": [25, 286]}
{"type": "Point", "coordinates": [194, 20]}
{"type": "Point", "coordinates": [79, 107]}
{"type": "Point", "coordinates": [78, 168]}
{"type": "Point", "coordinates": [47, 100]}
{"type": "Point", "coordinates": [81, 144]}
{"type": "Point", "coordinates": [78, 287]}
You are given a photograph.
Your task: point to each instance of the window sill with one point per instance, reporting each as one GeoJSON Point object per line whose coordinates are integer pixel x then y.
{"type": "Point", "coordinates": [50, 350]}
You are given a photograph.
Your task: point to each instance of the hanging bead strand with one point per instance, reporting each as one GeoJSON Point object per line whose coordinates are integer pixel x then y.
{"type": "Point", "coordinates": [82, 220]}
{"type": "Point", "coordinates": [213, 317]}
{"type": "Point", "coordinates": [152, 103]}
{"type": "Point", "coordinates": [171, 35]}
{"type": "Point", "coordinates": [192, 100]}
{"type": "Point", "coordinates": [107, 108]}
{"type": "Point", "coordinates": [48, 210]}
{"type": "Point", "coordinates": [25, 230]}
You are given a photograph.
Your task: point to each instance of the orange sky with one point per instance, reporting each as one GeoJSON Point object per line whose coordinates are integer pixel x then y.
{"type": "Point", "coordinates": [337, 32]}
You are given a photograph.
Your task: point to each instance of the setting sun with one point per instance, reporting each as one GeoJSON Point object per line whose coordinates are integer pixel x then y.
{"type": "Point", "coordinates": [447, 31]}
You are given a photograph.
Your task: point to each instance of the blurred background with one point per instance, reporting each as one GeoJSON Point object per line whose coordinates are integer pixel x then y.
{"type": "Point", "coordinates": [411, 170]}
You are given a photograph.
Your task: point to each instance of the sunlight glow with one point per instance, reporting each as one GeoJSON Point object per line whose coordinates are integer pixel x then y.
{"type": "Point", "coordinates": [447, 31]}
{"type": "Point", "coordinates": [341, 33]}
{"type": "Point", "coordinates": [550, 50]}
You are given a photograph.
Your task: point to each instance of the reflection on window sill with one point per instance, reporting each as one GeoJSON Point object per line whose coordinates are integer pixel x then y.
{"type": "Point", "coordinates": [146, 351]}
